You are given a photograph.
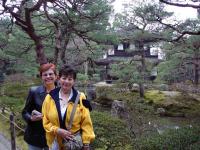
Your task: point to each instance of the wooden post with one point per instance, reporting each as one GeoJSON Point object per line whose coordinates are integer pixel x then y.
{"type": "Point", "coordinates": [12, 131]}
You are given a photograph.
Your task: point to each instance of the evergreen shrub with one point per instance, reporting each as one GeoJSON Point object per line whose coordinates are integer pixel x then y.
{"type": "Point", "coordinates": [174, 139]}
{"type": "Point", "coordinates": [104, 95]}
{"type": "Point", "coordinates": [111, 133]}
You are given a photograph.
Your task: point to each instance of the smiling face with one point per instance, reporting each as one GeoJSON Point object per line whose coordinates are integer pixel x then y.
{"type": "Point", "coordinates": [48, 77]}
{"type": "Point", "coordinates": [66, 83]}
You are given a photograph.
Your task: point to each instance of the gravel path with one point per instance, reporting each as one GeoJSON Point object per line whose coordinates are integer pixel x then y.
{"type": "Point", "coordinates": [4, 143]}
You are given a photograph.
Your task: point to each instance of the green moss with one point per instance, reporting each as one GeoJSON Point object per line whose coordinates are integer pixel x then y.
{"type": "Point", "coordinates": [154, 96]}
{"type": "Point", "coordinates": [185, 104]}
{"type": "Point", "coordinates": [175, 103]}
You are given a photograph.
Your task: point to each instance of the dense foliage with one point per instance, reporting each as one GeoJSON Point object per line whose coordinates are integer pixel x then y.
{"type": "Point", "coordinates": [182, 60]}
{"type": "Point", "coordinates": [176, 139]}
{"type": "Point", "coordinates": [111, 133]}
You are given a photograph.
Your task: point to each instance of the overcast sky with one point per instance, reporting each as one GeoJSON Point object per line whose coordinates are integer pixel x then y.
{"type": "Point", "coordinates": [180, 13]}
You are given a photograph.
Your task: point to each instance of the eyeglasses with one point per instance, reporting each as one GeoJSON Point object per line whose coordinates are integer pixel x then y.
{"type": "Point", "coordinates": [48, 74]}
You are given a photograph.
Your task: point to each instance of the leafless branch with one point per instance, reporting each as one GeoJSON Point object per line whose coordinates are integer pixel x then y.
{"type": "Point", "coordinates": [179, 4]}
{"type": "Point", "coordinates": [48, 17]}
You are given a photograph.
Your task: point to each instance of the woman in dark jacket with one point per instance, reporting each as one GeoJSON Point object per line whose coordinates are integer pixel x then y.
{"type": "Point", "coordinates": [34, 133]}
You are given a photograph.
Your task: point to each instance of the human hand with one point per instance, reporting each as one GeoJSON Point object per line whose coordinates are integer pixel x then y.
{"type": "Point", "coordinates": [36, 115]}
{"type": "Point", "coordinates": [65, 134]}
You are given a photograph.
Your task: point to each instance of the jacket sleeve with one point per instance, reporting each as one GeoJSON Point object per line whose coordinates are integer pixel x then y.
{"type": "Point", "coordinates": [86, 125]}
{"type": "Point", "coordinates": [47, 124]}
{"type": "Point", "coordinates": [28, 108]}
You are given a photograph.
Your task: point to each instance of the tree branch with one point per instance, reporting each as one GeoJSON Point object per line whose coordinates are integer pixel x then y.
{"type": "Point", "coordinates": [182, 33]}
{"type": "Point", "coordinates": [179, 5]}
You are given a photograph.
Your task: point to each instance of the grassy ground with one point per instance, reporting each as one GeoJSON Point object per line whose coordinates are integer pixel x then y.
{"type": "Point", "coordinates": [5, 130]}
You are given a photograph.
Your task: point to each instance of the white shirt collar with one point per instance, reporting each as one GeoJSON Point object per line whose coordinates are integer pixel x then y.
{"type": "Point", "coordinates": [70, 96]}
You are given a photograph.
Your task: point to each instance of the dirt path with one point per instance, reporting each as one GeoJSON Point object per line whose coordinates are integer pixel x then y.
{"type": "Point", "coordinates": [4, 143]}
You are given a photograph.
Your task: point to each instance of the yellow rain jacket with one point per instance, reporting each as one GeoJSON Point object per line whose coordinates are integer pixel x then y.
{"type": "Point", "coordinates": [52, 117]}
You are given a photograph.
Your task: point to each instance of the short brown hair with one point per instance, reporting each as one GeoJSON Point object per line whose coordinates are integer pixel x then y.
{"type": "Point", "coordinates": [47, 66]}
{"type": "Point", "coordinates": [67, 71]}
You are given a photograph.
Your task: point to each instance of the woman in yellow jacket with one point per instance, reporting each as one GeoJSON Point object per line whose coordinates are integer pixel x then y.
{"type": "Point", "coordinates": [57, 109]}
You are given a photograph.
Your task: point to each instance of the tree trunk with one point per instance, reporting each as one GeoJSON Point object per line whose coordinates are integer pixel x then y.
{"type": "Point", "coordinates": [39, 48]}
{"type": "Point", "coordinates": [196, 74]}
{"type": "Point", "coordinates": [196, 68]}
{"type": "Point", "coordinates": [25, 22]}
{"type": "Point", "coordinates": [58, 45]}
{"type": "Point", "coordinates": [62, 55]}
{"type": "Point", "coordinates": [141, 85]}
{"type": "Point", "coordinates": [41, 58]}
{"type": "Point", "coordinates": [143, 68]}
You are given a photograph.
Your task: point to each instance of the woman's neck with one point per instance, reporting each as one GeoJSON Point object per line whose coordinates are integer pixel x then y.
{"type": "Point", "coordinates": [49, 87]}
{"type": "Point", "coordinates": [65, 94]}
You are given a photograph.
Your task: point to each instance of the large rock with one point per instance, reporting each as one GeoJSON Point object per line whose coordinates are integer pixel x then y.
{"type": "Point", "coordinates": [91, 93]}
{"type": "Point", "coordinates": [118, 109]}
{"type": "Point", "coordinates": [135, 88]}
{"type": "Point", "coordinates": [161, 111]}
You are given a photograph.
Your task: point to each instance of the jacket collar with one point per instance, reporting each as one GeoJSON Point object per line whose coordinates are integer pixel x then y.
{"type": "Point", "coordinates": [41, 89]}
{"type": "Point", "coordinates": [75, 93]}
{"type": "Point", "coordinates": [55, 96]}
